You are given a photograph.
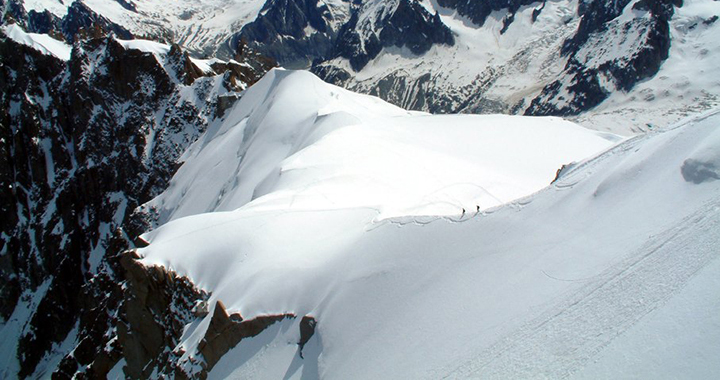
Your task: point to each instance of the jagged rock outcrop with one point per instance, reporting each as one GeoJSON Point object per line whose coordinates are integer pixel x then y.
{"type": "Point", "coordinates": [402, 23]}
{"type": "Point", "coordinates": [82, 143]}
{"type": "Point", "coordinates": [80, 22]}
{"type": "Point", "coordinates": [156, 307]}
{"type": "Point", "coordinates": [293, 32]}
{"type": "Point", "coordinates": [225, 331]}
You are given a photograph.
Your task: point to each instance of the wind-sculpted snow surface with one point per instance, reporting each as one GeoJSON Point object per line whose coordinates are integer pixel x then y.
{"type": "Point", "coordinates": [581, 278]}
{"type": "Point", "coordinates": [535, 288]}
{"type": "Point", "coordinates": [295, 143]}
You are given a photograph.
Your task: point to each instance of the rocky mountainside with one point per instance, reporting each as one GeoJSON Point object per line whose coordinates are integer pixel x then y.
{"type": "Point", "coordinates": [85, 137]}
{"type": "Point", "coordinates": [550, 58]}
{"type": "Point", "coordinates": [562, 57]}
{"type": "Point", "coordinates": [102, 102]}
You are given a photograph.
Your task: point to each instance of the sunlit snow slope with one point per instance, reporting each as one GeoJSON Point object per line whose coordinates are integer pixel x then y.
{"type": "Point", "coordinates": [295, 143]}
{"type": "Point", "coordinates": [341, 207]}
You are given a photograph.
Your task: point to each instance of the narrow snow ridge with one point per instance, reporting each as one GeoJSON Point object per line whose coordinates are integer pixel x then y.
{"type": "Point", "coordinates": [40, 42]}
{"type": "Point", "coordinates": [295, 143]}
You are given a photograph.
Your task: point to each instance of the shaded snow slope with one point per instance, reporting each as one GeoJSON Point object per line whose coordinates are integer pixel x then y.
{"type": "Point", "coordinates": [295, 143]}
{"type": "Point", "coordinates": [534, 289]}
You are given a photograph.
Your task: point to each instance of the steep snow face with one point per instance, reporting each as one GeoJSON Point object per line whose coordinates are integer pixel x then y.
{"type": "Point", "coordinates": [296, 143]}
{"type": "Point", "coordinates": [537, 288]}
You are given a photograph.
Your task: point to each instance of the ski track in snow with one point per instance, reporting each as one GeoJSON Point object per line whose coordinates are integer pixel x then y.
{"type": "Point", "coordinates": [564, 339]}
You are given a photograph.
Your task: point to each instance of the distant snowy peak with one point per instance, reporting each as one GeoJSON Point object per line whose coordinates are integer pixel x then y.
{"type": "Point", "coordinates": [295, 32]}
{"type": "Point", "coordinates": [563, 57]}
{"type": "Point", "coordinates": [479, 11]}
{"type": "Point", "coordinates": [76, 19]}
{"type": "Point", "coordinates": [300, 32]}
{"type": "Point", "coordinates": [616, 45]}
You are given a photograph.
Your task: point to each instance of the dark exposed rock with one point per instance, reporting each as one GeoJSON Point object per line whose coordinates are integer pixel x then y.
{"type": "Point", "coordinates": [156, 307]}
{"type": "Point", "coordinates": [594, 16]}
{"type": "Point", "coordinates": [294, 32]}
{"type": "Point", "coordinates": [81, 18]}
{"type": "Point", "coordinates": [82, 143]}
{"type": "Point", "coordinates": [408, 25]}
{"type": "Point", "coordinates": [307, 330]}
{"type": "Point", "coordinates": [581, 86]}
{"type": "Point", "coordinates": [478, 11]}
{"type": "Point", "coordinates": [129, 5]}
{"type": "Point", "coordinates": [353, 46]}
{"type": "Point", "coordinates": [226, 331]}
{"type": "Point", "coordinates": [180, 62]}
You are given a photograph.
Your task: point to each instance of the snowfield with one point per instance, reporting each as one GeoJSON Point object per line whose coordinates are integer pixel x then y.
{"type": "Point", "coordinates": [436, 247]}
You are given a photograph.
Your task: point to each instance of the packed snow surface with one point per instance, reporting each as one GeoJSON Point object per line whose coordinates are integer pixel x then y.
{"type": "Point", "coordinates": [580, 278]}
{"type": "Point", "coordinates": [295, 143]}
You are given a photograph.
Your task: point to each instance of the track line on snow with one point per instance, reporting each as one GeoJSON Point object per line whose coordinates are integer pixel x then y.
{"type": "Point", "coordinates": [563, 340]}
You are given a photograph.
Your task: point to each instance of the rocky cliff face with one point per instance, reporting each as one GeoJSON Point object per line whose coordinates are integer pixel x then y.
{"type": "Point", "coordinates": [79, 20]}
{"type": "Point", "coordinates": [82, 143]}
{"type": "Point", "coordinates": [294, 32]}
{"type": "Point", "coordinates": [299, 32]}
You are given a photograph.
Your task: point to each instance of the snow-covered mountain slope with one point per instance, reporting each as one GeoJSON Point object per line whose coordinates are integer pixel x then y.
{"type": "Point", "coordinates": [600, 259]}
{"type": "Point", "coordinates": [686, 83]}
{"type": "Point", "coordinates": [580, 278]}
{"type": "Point", "coordinates": [296, 143]}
